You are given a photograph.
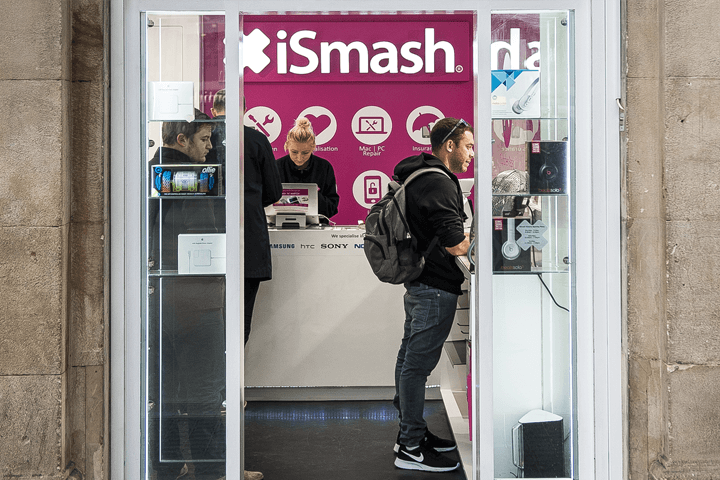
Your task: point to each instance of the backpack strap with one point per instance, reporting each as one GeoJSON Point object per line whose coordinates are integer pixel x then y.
{"type": "Point", "coordinates": [433, 242]}
{"type": "Point", "coordinates": [421, 171]}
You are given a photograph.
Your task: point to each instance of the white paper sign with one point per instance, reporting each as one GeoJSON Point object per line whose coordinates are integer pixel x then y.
{"type": "Point", "coordinates": [533, 235]}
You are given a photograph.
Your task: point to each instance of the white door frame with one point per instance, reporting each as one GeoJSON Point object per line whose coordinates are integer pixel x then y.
{"type": "Point", "coordinates": [601, 354]}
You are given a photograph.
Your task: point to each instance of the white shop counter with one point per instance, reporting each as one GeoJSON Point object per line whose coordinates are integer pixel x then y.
{"type": "Point", "coordinates": [324, 320]}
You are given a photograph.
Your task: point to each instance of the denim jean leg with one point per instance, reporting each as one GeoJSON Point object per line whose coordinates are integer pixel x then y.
{"type": "Point", "coordinates": [429, 313]}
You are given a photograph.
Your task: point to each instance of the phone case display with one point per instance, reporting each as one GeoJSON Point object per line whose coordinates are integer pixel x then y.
{"type": "Point", "coordinates": [202, 179]}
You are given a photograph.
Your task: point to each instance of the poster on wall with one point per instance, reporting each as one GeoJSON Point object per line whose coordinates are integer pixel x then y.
{"type": "Point", "coordinates": [509, 147]}
{"type": "Point", "coordinates": [372, 87]}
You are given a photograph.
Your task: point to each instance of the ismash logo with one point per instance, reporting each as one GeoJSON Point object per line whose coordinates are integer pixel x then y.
{"type": "Point", "coordinates": [381, 57]}
{"type": "Point", "coordinates": [253, 46]}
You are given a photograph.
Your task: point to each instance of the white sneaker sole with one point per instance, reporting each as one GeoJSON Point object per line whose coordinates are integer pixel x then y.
{"type": "Point", "coordinates": [406, 465]}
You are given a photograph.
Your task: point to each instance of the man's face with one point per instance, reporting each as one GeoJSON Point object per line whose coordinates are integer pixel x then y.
{"type": "Point", "coordinates": [198, 146]}
{"type": "Point", "coordinates": [463, 153]}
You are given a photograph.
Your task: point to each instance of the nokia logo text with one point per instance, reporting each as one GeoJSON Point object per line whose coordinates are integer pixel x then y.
{"type": "Point", "coordinates": [381, 57]}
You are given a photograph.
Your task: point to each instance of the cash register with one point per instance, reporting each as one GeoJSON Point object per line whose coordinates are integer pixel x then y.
{"type": "Point", "coordinates": [297, 208]}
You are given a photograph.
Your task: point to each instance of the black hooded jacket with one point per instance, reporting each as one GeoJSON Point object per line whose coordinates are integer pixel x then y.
{"type": "Point", "coordinates": [435, 207]}
{"type": "Point", "coordinates": [262, 188]}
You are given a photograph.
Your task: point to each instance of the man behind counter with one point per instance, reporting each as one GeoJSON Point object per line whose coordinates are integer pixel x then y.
{"type": "Point", "coordinates": [302, 166]}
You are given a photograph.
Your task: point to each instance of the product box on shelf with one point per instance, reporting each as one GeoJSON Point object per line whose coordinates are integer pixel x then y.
{"type": "Point", "coordinates": [515, 93]}
{"type": "Point", "coordinates": [186, 180]}
{"type": "Point", "coordinates": [517, 244]}
{"type": "Point", "coordinates": [508, 256]}
{"type": "Point", "coordinates": [548, 167]}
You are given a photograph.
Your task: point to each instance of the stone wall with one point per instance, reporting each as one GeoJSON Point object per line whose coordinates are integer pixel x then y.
{"type": "Point", "coordinates": [53, 222]}
{"type": "Point", "coordinates": [673, 177]}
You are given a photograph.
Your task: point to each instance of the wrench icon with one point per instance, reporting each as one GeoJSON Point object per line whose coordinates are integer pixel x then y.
{"type": "Point", "coordinates": [268, 119]}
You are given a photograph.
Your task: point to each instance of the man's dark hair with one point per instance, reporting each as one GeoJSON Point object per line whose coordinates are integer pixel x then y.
{"type": "Point", "coordinates": [444, 126]}
{"type": "Point", "coordinates": [219, 100]}
{"type": "Point", "coordinates": [171, 130]}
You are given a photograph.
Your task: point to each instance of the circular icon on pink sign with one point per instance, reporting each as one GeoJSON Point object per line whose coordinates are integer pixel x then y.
{"type": "Point", "coordinates": [421, 121]}
{"type": "Point", "coordinates": [264, 120]}
{"type": "Point", "coordinates": [323, 123]}
{"type": "Point", "coordinates": [369, 187]}
{"type": "Point", "coordinates": [371, 125]}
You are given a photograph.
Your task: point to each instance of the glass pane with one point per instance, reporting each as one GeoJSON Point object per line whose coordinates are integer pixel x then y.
{"type": "Point", "coordinates": [533, 330]}
{"type": "Point", "coordinates": [184, 240]}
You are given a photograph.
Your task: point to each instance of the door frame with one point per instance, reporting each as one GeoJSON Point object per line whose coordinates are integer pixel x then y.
{"type": "Point", "coordinates": [602, 398]}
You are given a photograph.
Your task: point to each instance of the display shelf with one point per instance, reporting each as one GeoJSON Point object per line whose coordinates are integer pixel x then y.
{"type": "Point", "coordinates": [525, 194]}
{"type": "Point", "coordinates": [184, 196]}
{"type": "Point", "coordinates": [174, 273]}
{"type": "Point", "coordinates": [212, 120]}
{"type": "Point", "coordinates": [532, 272]}
{"type": "Point", "coordinates": [552, 119]}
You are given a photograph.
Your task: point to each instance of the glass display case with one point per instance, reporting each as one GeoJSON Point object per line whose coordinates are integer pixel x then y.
{"type": "Point", "coordinates": [184, 244]}
{"type": "Point", "coordinates": [532, 233]}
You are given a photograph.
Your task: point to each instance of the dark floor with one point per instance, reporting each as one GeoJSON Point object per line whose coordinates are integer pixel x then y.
{"type": "Point", "coordinates": [333, 440]}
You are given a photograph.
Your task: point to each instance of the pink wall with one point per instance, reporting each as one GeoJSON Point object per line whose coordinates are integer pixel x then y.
{"type": "Point", "coordinates": [368, 113]}
{"type": "Point", "coordinates": [369, 104]}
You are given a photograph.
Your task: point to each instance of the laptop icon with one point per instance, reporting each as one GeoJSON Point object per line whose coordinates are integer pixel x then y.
{"type": "Point", "coordinates": [371, 125]}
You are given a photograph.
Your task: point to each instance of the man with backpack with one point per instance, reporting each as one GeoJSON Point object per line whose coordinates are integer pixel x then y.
{"type": "Point", "coordinates": [434, 208]}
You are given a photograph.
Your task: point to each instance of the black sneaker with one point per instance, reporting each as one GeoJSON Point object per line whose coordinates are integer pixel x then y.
{"type": "Point", "coordinates": [431, 441]}
{"type": "Point", "coordinates": [438, 444]}
{"type": "Point", "coordinates": [423, 458]}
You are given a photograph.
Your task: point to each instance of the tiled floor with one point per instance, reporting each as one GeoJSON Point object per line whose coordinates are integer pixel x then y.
{"type": "Point", "coordinates": [345, 440]}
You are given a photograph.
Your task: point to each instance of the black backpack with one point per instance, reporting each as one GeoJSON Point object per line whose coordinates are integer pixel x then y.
{"type": "Point", "coordinates": [389, 246]}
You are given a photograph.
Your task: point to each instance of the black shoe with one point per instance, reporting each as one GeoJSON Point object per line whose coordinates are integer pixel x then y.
{"type": "Point", "coordinates": [423, 458]}
{"type": "Point", "coordinates": [431, 441]}
{"type": "Point", "coordinates": [438, 444]}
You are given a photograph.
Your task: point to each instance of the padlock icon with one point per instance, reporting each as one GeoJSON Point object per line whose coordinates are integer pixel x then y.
{"type": "Point", "coordinates": [372, 189]}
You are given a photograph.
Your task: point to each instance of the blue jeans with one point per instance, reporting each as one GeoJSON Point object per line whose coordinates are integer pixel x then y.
{"type": "Point", "coordinates": [429, 314]}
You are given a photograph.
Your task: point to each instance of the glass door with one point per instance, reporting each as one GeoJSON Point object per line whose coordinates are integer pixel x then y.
{"type": "Point", "coordinates": [184, 242]}
{"type": "Point", "coordinates": [542, 383]}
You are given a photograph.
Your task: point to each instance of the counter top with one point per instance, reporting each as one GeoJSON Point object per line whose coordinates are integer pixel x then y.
{"type": "Point", "coordinates": [318, 228]}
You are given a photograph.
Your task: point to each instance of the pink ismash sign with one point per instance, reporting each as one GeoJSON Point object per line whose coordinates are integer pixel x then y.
{"type": "Point", "coordinates": [371, 85]}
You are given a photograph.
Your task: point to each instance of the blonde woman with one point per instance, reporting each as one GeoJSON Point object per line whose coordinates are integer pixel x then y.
{"type": "Point", "coordinates": [300, 165]}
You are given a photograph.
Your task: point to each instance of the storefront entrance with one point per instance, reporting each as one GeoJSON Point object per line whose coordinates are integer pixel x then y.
{"type": "Point", "coordinates": [530, 377]}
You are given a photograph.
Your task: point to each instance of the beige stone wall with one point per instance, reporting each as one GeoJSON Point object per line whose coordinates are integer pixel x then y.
{"type": "Point", "coordinates": [673, 173]}
{"type": "Point", "coordinates": [53, 222]}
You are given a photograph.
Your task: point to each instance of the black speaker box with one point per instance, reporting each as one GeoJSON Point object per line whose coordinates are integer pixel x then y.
{"type": "Point", "coordinates": [541, 445]}
{"type": "Point", "coordinates": [548, 167]}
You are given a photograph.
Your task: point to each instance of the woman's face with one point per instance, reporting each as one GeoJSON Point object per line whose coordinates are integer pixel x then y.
{"type": "Point", "coordinates": [300, 152]}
